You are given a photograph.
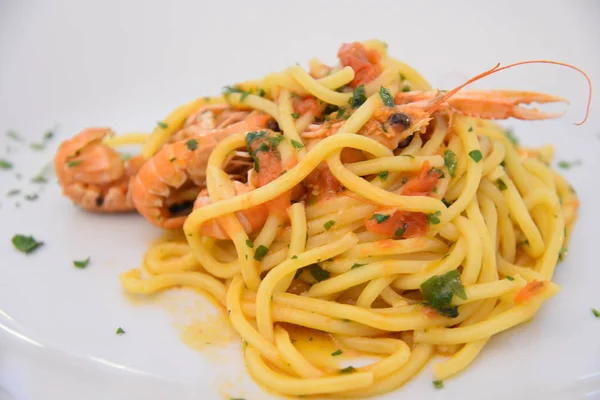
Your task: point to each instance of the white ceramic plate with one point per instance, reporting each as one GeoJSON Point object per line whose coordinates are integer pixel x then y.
{"type": "Point", "coordinates": [126, 64]}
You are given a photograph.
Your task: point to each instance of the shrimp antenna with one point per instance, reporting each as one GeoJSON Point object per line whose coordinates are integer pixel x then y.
{"type": "Point", "coordinates": [436, 103]}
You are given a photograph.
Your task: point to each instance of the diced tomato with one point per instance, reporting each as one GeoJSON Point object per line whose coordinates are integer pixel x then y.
{"type": "Point", "coordinates": [363, 61]}
{"type": "Point", "coordinates": [269, 169]}
{"type": "Point", "coordinates": [530, 290]}
{"type": "Point", "coordinates": [424, 183]}
{"type": "Point", "coordinates": [307, 104]}
{"type": "Point", "coordinates": [408, 224]}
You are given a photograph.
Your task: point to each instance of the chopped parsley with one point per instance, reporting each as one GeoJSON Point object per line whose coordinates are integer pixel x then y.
{"type": "Point", "coordinates": [329, 224]}
{"type": "Point", "coordinates": [433, 218]}
{"type": "Point", "coordinates": [5, 164]}
{"type": "Point", "coordinates": [192, 144]}
{"type": "Point", "coordinates": [73, 163]}
{"type": "Point", "coordinates": [13, 192]}
{"type": "Point", "coordinates": [501, 185]}
{"type": "Point", "coordinates": [510, 135]}
{"type": "Point", "coordinates": [380, 218]}
{"type": "Point", "coordinates": [475, 155]}
{"type": "Point", "coordinates": [561, 253]}
{"type": "Point", "coordinates": [340, 113]}
{"type": "Point", "coordinates": [337, 352]}
{"type": "Point", "coordinates": [81, 264]}
{"type": "Point", "coordinates": [438, 292]}
{"type": "Point", "coordinates": [383, 175]}
{"type": "Point", "coordinates": [386, 97]}
{"type": "Point", "coordinates": [244, 96]}
{"type": "Point", "coordinates": [450, 160]}
{"type": "Point", "coordinates": [510, 278]}
{"type": "Point", "coordinates": [297, 144]}
{"type": "Point", "coordinates": [401, 231]}
{"type": "Point", "coordinates": [357, 265]}
{"type": "Point", "coordinates": [14, 136]}
{"type": "Point", "coordinates": [31, 197]}
{"type": "Point", "coordinates": [294, 257]}
{"type": "Point", "coordinates": [26, 244]}
{"type": "Point", "coordinates": [162, 124]}
{"type": "Point", "coordinates": [470, 129]}
{"type": "Point", "coordinates": [318, 273]}
{"type": "Point", "coordinates": [406, 88]}
{"type": "Point", "coordinates": [358, 97]}
{"type": "Point", "coordinates": [438, 384]}
{"type": "Point", "coordinates": [172, 159]}
{"type": "Point", "coordinates": [261, 252]}
{"type": "Point", "coordinates": [596, 313]}
{"type": "Point", "coordinates": [37, 146]}
{"type": "Point", "coordinates": [347, 370]}
{"type": "Point", "coordinates": [39, 179]}
{"type": "Point", "coordinates": [296, 115]}
{"type": "Point", "coordinates": [568, 164]}
{"type": "Point", "coordinates": [120, 331]}
{"type": "Point", "coordinates": [249, 243]}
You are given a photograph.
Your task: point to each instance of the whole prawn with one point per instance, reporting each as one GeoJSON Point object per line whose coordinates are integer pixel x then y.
{"type": "Point", "coordinates": [93, 175]}
{"type": "Point", "coordinates": [181, 165]}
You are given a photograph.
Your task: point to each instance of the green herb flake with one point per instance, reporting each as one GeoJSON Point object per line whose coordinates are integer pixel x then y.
{"type": "Point", "coordinates": [31, 197]}
{"type": "Point", "coordinates": [162, 125]}
{"type": "Point", "coordinates": [340, 113]}
{"type": "Point", "coordinates": [510, 135]}
{"type": "Point", "coordinates": [401, 231]}
{"type": "Point", "coordinates": [296, 115]}
{"type": "Point", "coordinates": [37, 146]}
{"type": "Point", "coordinates": [475, 155]}
{"type": "Point", "coordinates": [383, 175]}
{"type": "Point", "coordinates": [172, 159]}
{"type": "Point", "coordinates": [510, 278]}
{"type": "Point", "coordinates": [357, 265]}
{"type": "Point", "coordinates": [470, 129]}
{"type": "Point", "coordinates": [501, 185]}
{"type": "Point", "coordinates": [438, 292]}
{"type": "Point", "coordinates": [244, 96]}
{"type": "Point", "coordinates": [358, 97]}
{"type": "Point", "coordinates": [406, 88]}
{"type": "Point", "coordinates": [318, 273]}
{"type": "Point", "coordinates": [450, 161]}
{"type": "Point", "coordinates": [337, 352]}
{"type": "Point", "coordinates": [438, 384]}
{"type": "Point", "coordinates": [562, 253]}
{"type": "Point", "coordinates": [386, 97]}
{"type": "Point", "coordinates": [329, 224]}
{"type": "Point", "coordinates": [433, 218]}
{"type": "Point", "coordinates": [39, 179]}
{"type": "Point", "coordinates": [249, 243]}
{"type": "Point", "coordinates": [120, 331]}
{"type": "Point", "coordinates": [13, 192]}
{"type": "Point", "coordinates": [81, 264]}
{"type": "Point", "coordinates": [14, 135]}
{"type": "Point", "coordinates": [261, 252]}
{"type": "Point", "coordinates": [568, 164]}
{"type": "Point", "coordinates": [48, 135]}
{"type": "Point", "coordinates": [297, 144]}
{"type": "Point", "coordinates": [380, 218]}
{"type": "Point", "coordinates": [294, 257]}
{"type": "Point", "coordinates": [5, 164]}
{"type": "Point", "coordinates": [191, 144]}
{"type": "Point", "coordinates": [596, 313]}
{"type": "Point", "coordinates": [25, 244]}
{"type": "Point", "coordinates": [347, 370]}
{"type": "Point", "coordinates": [73, 163]}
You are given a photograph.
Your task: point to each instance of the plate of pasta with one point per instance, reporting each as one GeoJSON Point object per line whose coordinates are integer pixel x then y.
{"type": "Point", "coordinates": [336, 228]}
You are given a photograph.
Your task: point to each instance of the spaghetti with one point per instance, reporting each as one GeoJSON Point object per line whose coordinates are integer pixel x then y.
{"type": "Point", "coordinates": [399, 221]}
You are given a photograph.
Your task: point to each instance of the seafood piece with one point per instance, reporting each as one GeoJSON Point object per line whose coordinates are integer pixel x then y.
{"type": "Point", "coordinates": [393, 126]}
{"type": "Point", "coordinates": [252, 219]}
{"type": "Point", "coordinates": [209, 117]}
{"type": "Point", "coordinates": [179, 166]}
{"type": "Point", "coordinates": [93, 175]}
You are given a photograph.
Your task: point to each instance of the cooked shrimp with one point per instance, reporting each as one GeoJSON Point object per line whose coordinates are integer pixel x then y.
{"type": "Point", "coordinates": [394, 126]}
{"type": "Point", "coordinates": [93, 175]}
{"type": "Point", "coordinates": [208, 117]}
{"type": "Point", "coordinates": [181, 165]}
{"type": "Point", "coordinates": [251, 219]}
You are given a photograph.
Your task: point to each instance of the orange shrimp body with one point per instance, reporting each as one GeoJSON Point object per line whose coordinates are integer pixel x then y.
{"type": "Point", "coordinates": [93, 175]}
{"type": "Point", "coordinates": [251, 219]}
{"type": "Point", "coordinates": [182, 164]}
